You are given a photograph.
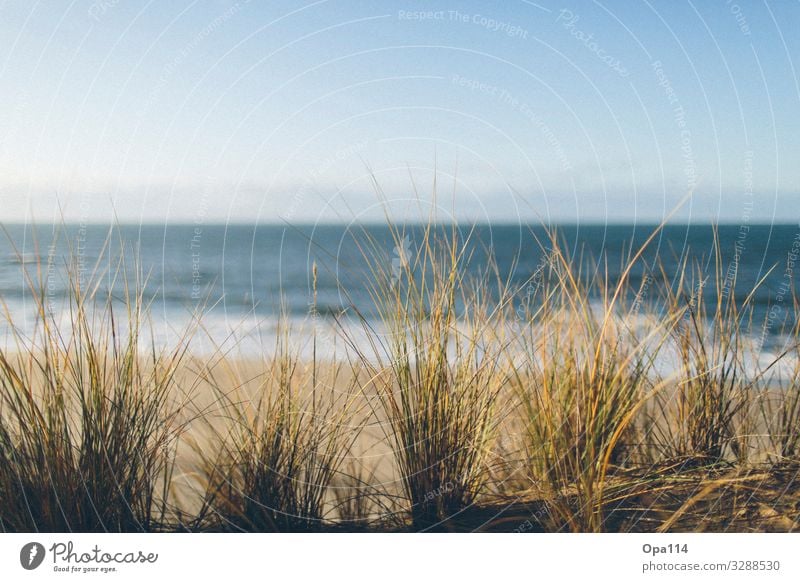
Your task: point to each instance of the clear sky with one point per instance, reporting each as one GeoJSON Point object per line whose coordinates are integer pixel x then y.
{"type": "Point", "coordinates": [212, 111]}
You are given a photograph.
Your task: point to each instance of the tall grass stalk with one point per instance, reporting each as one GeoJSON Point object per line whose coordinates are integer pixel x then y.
{"type": "Point", "coordinates": [87, 426]}
{"type": "Point", "coordinates": [715, 391]}
{"type": "Point", "coordinates": [279, 445]}
{"type": "Point", "coordinates": [780, 408]}
{"type": "Point", "coordinates": [583, 379]}
{"type": "Point", "coordinates": [435, 368]}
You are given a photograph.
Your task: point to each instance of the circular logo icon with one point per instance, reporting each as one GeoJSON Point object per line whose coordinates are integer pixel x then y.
{"type": "Point", "coordinates": [31, 555]}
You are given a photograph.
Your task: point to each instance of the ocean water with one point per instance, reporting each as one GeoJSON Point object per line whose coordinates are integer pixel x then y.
{"type": "Point", "coordinates": [242, 276]}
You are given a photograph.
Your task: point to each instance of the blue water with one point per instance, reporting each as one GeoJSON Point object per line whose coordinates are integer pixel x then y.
{"type": "Point", "coordinates": [247, 271]}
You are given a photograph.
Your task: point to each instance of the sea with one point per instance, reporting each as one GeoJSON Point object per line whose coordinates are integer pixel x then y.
{"type": "Point", "coordinates": [240, 280]}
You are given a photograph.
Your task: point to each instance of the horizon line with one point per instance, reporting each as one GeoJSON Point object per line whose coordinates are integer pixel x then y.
{"type": "Point", "coordinates": [503, 223]}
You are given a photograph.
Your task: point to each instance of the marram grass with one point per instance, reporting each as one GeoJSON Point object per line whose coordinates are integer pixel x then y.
{"type": "Point", "coordinates": [540, 407]}
{"type": "Point", "coordinates": [87, 419]}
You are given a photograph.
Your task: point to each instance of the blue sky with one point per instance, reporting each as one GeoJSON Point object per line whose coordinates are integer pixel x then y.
{"type": "Point", "coordinates": [241, 111]}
